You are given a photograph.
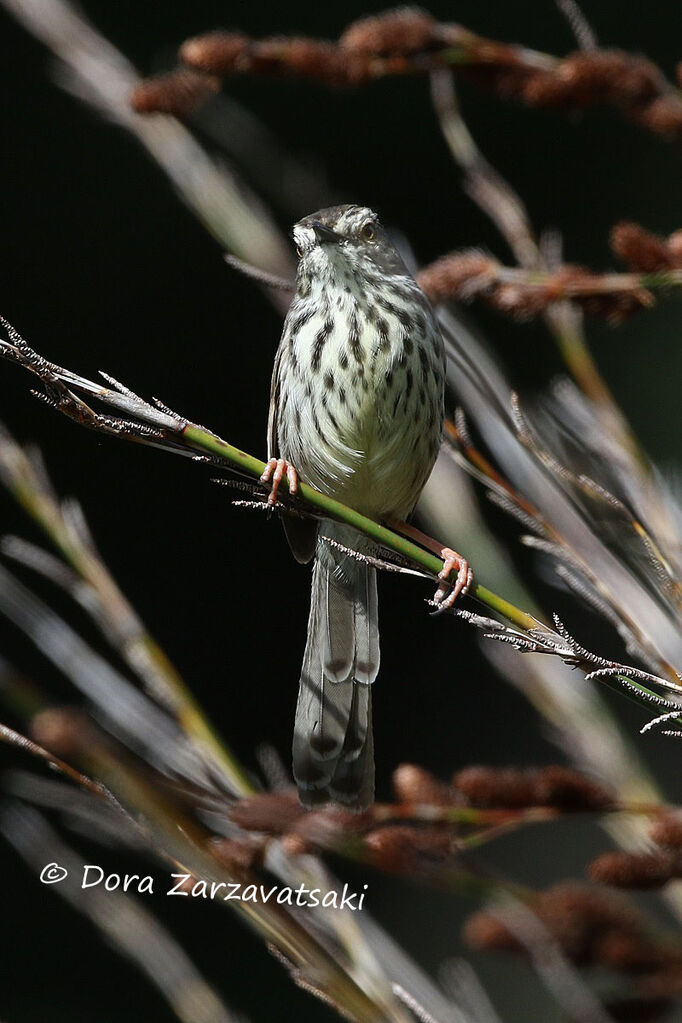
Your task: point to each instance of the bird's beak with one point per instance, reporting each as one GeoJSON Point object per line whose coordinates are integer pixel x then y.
{"type": "Point", "coordinates": [323, 233]}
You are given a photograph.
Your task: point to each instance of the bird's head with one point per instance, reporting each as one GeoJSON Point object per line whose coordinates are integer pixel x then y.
{"type": "Point", "coordinates": [349, 238]}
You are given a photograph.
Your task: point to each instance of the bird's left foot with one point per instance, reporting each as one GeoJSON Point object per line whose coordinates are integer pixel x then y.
{"type": "Point", "coordinates": [465, 577]}
{"type": "Point", "coordinates": [275, 471]}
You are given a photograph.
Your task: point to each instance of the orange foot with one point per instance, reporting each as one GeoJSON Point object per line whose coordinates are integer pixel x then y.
{"type": "Point", "coordinates": [452, 560]}
{"type": "Point", "coordinates": [275, 471]}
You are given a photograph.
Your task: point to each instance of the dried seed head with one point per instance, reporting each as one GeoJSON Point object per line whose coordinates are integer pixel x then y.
{"type": "Point", "coordinates": [640, 250]}
{"type": "Point", "coordinates": [458, 275]}
{"type": "Point", "coordinates": [599, 909]}
{"type": "Point", "coordinates": [309, 58]}
{"type": "Point", "coordinates": [329, 828]}
{"type": "Point", "coordinates": [666, 830]}
{"type": "Point", "coordinates": [271, 812]}
{"type": "Point", "coordinates": [568, 789]}
{"type": "Point", "coordinates": [581, 79]}
{"type": "Point", "coordinates": [543, 89]}
{"type": "Point", "coordinates": [413, 784]}
{"type": "Point", "coordinates": [402, 849]}
{"type": "Point", "coordinates": [177, 93]}
{"type": "Point", "coordinates": [617, 307]}
{"type": "Point", "coordinates": [498, 787]}
{"type": "Point", "coordinates": [675, 246]}
{"type": "Point", "coordinates": [463, 275]}
{"type": "Point", "coordinates": [404, 30]}
{"type": "Point", "coordinates": [219, 53]}
{"type": "Point", "coordinates": [296, 845]}
{"type": "Point", "coordinates": [663, 116]}
{"type": "Point", "coordinates": [507, 80]}
{"type": "Point", "coordinates": [484, 931]}
{"type": "Point", "coordinates": [241, 854]}
{"type": "Point", "coordinates": [626, 952]}
{"type": "Point", "coordinates": [62, 731]}
{"type": "Point", "coordinates": [577, 917]}
{"type": "Point", "coordinates": [635, 870]}
{"type": "Point", "coordinates": [608, 75]}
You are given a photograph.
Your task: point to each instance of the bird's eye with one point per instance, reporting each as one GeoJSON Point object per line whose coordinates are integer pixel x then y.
{"type": "Point", "coordinates": [368, 231]}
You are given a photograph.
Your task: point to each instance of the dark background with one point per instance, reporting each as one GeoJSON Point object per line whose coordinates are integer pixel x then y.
{"type": "Point", "coordinates": [103, 268]}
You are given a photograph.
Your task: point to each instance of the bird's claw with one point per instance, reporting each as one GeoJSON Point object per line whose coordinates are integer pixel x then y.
{"type": "Point", "coordinates": [275, 471]}
{"type": "Point", "coordinates": [465, 577]}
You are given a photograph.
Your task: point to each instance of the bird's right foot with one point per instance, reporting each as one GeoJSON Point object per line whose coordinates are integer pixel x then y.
{"type": "Point", "coordinates": [465, 577]}
{"type": "Point", "coordinates": [275, 471]}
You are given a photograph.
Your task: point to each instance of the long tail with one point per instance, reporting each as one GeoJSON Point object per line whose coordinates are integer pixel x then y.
{"type": "Point", "coordinates": [333, 747]}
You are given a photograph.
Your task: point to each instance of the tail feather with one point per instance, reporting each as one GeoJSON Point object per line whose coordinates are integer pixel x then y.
{"type": "Point", "coordinates": [333, 747]}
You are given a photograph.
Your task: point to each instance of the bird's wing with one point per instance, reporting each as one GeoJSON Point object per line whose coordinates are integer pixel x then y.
{"type": "Point", "coordinates": [300, 533]}
{"type": "Point", "coordinates": [273, 446]}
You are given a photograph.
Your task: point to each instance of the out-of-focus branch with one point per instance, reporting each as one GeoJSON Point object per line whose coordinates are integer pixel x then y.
{"type": "Point", "coordinates": [22, 742]}
{"type": "Point", "coordinates": [523, 293]}
{"type": "Point", "coordinates": [502, 204]}
{"type": "Point", "coordinates": [586, 927]}
{"type": "Point", "coordinates": [94, 69]}
{"type": "Point", "coordinates": [121, 919]}
{"type": "Point", "coordinates": [558, 974]}
{"type": "Point", "coordinates": [408, 41]}
{"type": "Point", "coordinates": [172, 774]}
{"type": "Point", "coordinates": [94, 587]}
{"type": "Point", "coordinates": [180, 839]}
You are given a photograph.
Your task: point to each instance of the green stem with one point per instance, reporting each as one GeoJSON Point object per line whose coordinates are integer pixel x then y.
{"type": "Point", "coordinates": [208, 442]}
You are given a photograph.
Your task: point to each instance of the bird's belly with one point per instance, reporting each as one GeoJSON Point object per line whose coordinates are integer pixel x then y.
{"type": "Point", "coordinates": [368, 436]}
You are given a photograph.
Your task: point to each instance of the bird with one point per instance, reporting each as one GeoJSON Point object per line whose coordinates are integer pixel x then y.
{"type": "Point", "coordinates": [356, 411]}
